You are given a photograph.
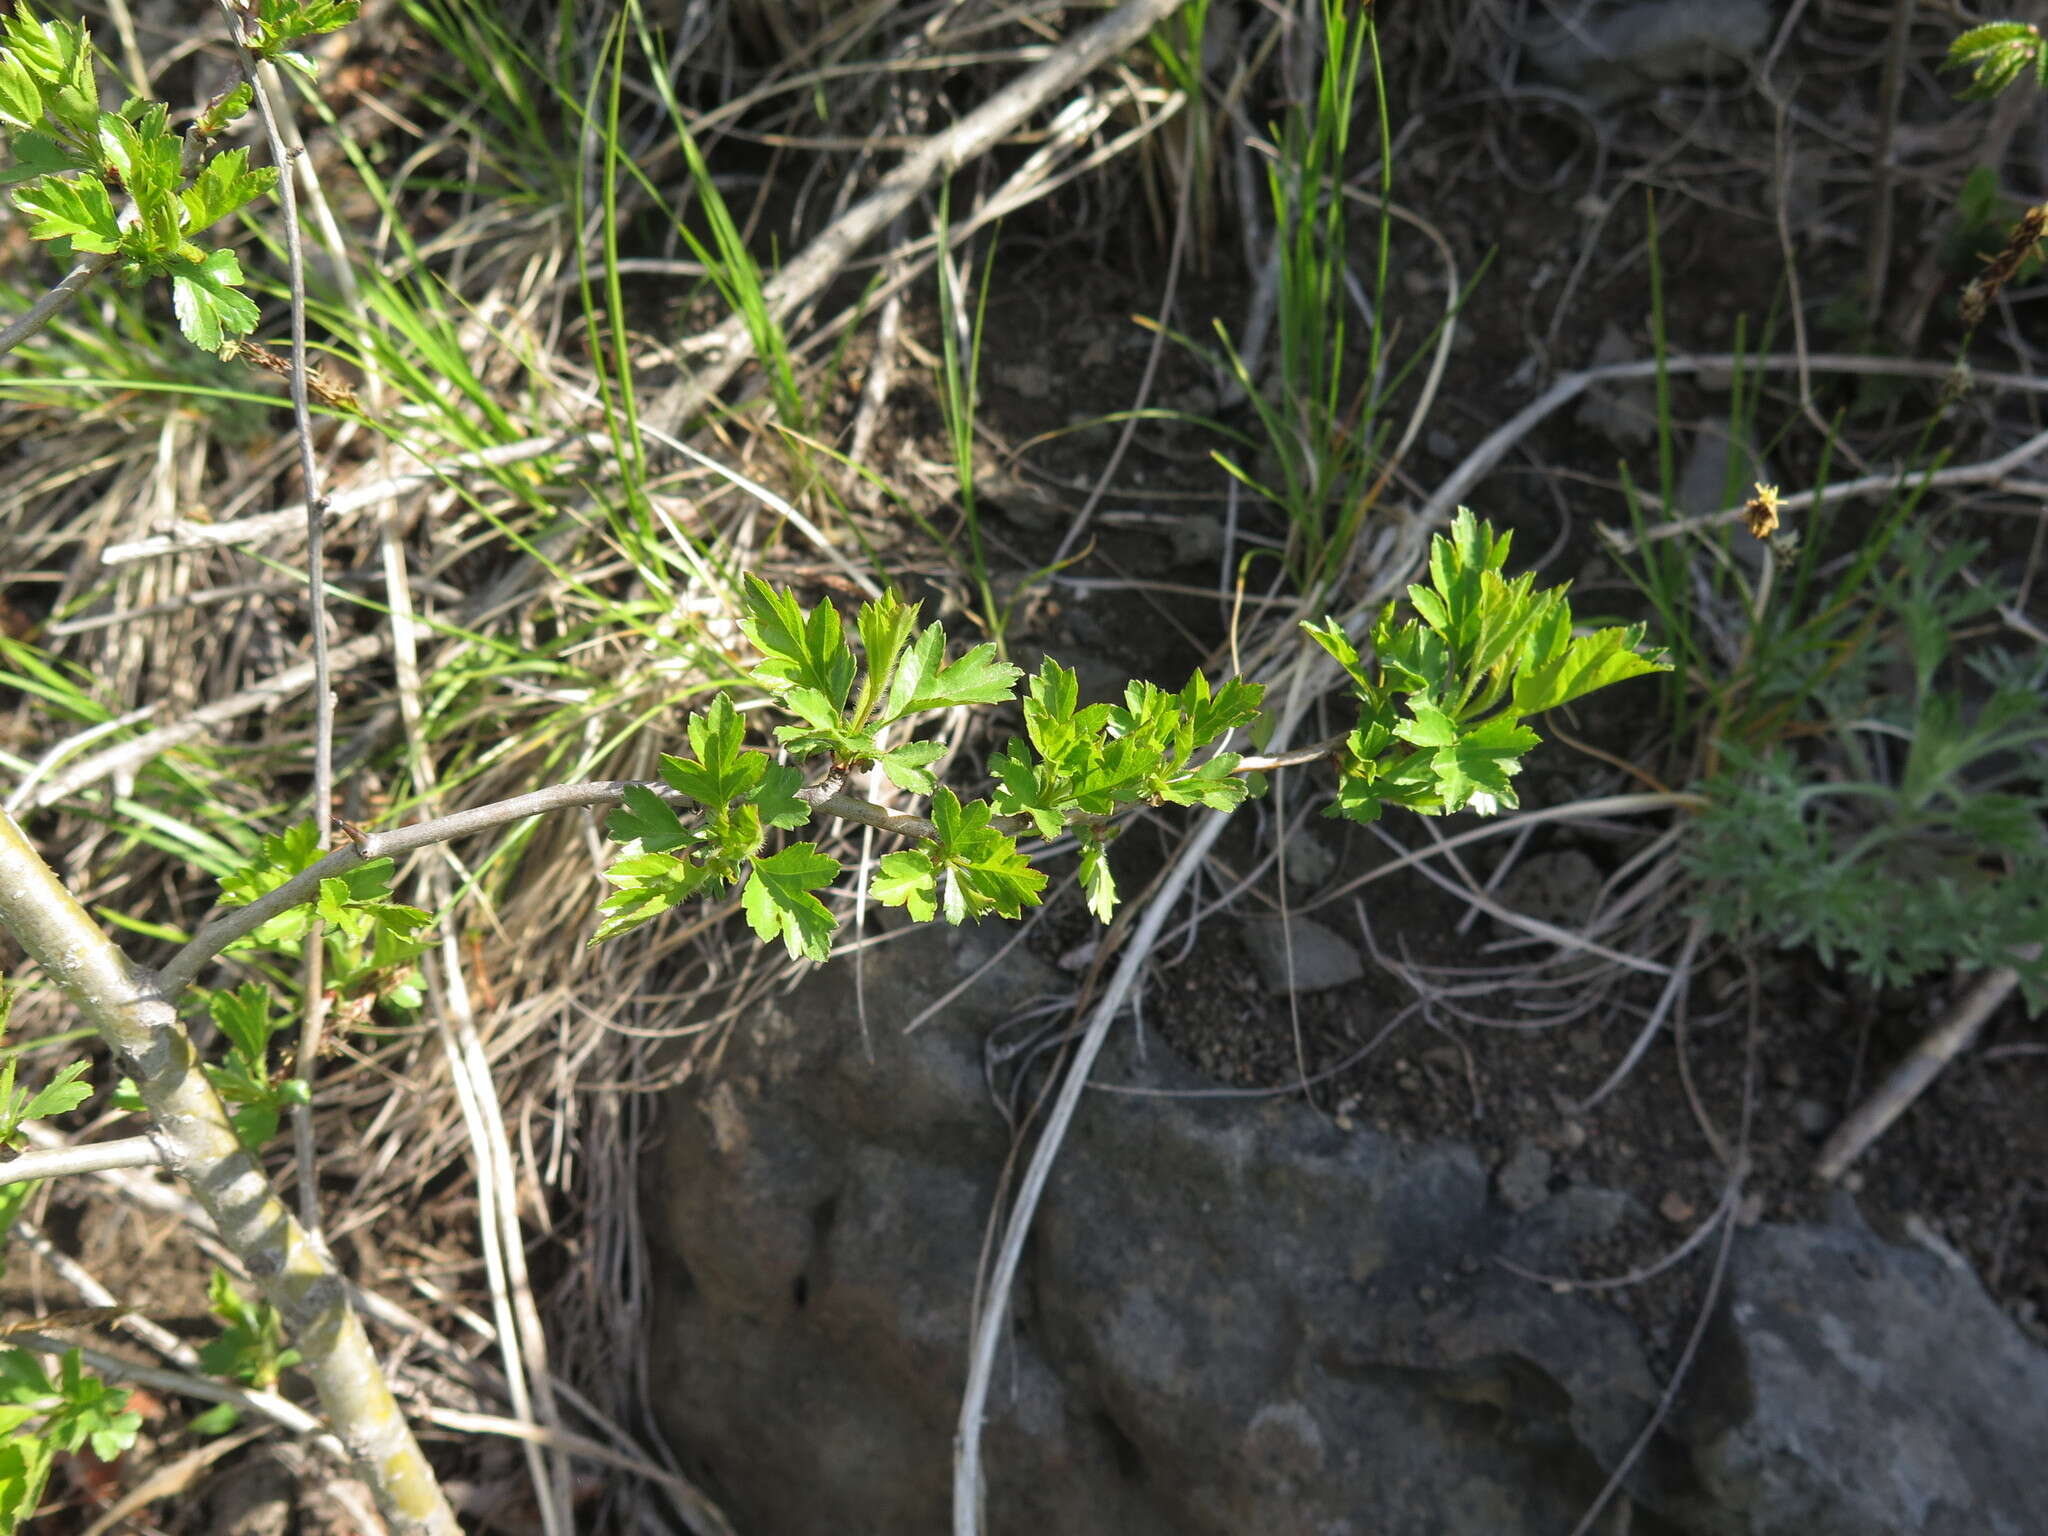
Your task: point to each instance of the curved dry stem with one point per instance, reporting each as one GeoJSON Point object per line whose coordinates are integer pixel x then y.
{"type": "Point", "coordinates": [128, 1008]}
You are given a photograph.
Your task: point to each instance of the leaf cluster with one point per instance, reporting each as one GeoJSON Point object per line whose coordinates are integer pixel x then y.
{"type": "Point", "coordinates": [808, 667]}
{"type": "Point", "coordinates": [18, 1105]}
{"type": "Point", "coordinates": [1440, 729]}
{"type": "Point", "coordinates": [373, 943]}
{"type": "Point", "coordinates": [1997, 54]}
{"type": "Point", "coordinates": [246, 1079]}
{"type": "Point", "coordinates": [742, 793]}
{"type": "Point", "coordinates": [73, 161]}
{"type": "Point", "coordinates": [250, 1349]}
{"type": "Point", "coordinates": [42, 1417]}
{"type": "Point", "coordinates": [1444, 696]}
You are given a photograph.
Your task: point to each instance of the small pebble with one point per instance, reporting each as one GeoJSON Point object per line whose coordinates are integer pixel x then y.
{"type": "Point", "coordinates": [1812, 1117]}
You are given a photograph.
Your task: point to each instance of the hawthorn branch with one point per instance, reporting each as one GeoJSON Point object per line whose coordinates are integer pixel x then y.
{"type": "Point", "coordinates": [229, 924]}
{"type": "Point", "coordinates": [128, 1008]}
{"type": "Point", "coordinates": [93, 1157]}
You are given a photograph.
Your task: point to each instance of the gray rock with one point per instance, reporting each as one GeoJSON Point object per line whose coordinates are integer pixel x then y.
{"type": "Point", "coordinates": [1239, 1318]}
{"type": "Point", "coordinates": [1320, 958]}
{"type": "Point", "coordinates": [1812, 1117]}
{"type": "Point", "coordinates": [1720, 455]}
{"type": "Point", "coordinates": [1309, 861]}
{"type": "Point", "coordinates": [1610, 50]}
{"type": "Point", "coordinates": [1850, 1386]}
{"type": "Point", "coordinates": [1556, 887]}
{"type": "Point", "coordinates": [1625, 412]}
{"type": "Point", "coordinates": [1523, 1182]}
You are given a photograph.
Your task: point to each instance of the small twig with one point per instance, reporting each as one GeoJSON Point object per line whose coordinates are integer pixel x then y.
{"type": "Point", "coordinates": [302, 424]}
{"type": "Point", "coordinates": [93, 1157]}
{"type": "Point", "coordinates": [313, 989]}
{"type": "Point", "coordinates": [1330, 750]}
{"type": "Point", "coordinates": [1991, 471]}
{"type": "Point", "coordinates": [44, 310]}
{"type": "Point", "coordinates": [232, 923]}
{"type": "Point", "coordinates": [1909, 1079]}
{"type": "Point", "coordinates": [68, 747]}
{"type": "Point", "coordinates": [1568, 387]}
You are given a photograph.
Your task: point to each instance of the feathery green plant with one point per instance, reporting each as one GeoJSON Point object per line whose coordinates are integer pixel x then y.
{"type": "Point", "coordinates": [1899, 828]}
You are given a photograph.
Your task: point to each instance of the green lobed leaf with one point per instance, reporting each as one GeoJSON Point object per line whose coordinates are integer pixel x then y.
{"type": "Point", "coordinates": [74, 208]}
{"type": "Point", "coordinates": [976, 678]}
{"type": "Point", "coordinates": [1027, 788]}
{"type": "Point", "coordinates": [885, 628]}
{"type": "Point", "coordinates": [1430, 726]}
{"type": "Point", "coordinates": [21, 97]}
{"type": "Point", "coordinates": [243, 1015]}
{"type": "Point", "coordinates": [775, 797]}
{"type": "Point", "coordinates": [1331, 637]}
{"type": "Point", "coordinates": [1480, 763]}
{"type": "Point", "coordinates": [1213, 784]}
{"type": "Point", "coordinates": [1587, 663]}
{"type": "Point", "coordinates": [648, 820]}
{"type": "Point", "coordinates": [208, 301]}
{"type": "Point", "coordinates": [60, 1094]}
{"type": "Point", "coordinates": [1998, 52]}
{"type": "Point", "coordinates": [800, 650]}
{"type": "Point", "coordinates": [224, 185]}
{"type": "Point", "coordinates": [1212, 715]}
{"type": "Point", "coordinates": [25, 1463]}
{"type": "Point", "coordinates": [224, 109]}
{"type": "Point", "coordinates": [280, 23]}
{"type": "Point", "coordinates": [728, 838]}
{"type": "Point", "coordinates": [37, 154]}
{"type": "Point", "coordinates": [57, 57]}
{"type": "Point", "coordinates": [981, 868]}
{"type": "Point", "coordinates": [722, 770]}
{"type": "Point", "coordinates": [908, 767]}
{"type": "Point", "coordinates": [144, 154]}
{"type": "Point", "coordinates": [650, 884]}
{"type": "Point", "coordinates": [779, 904]}
{"type": "Point", "coordinates": [907, 879]}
